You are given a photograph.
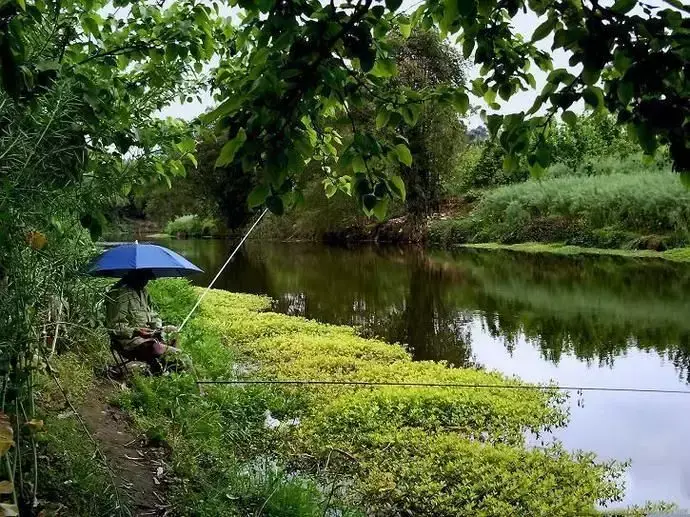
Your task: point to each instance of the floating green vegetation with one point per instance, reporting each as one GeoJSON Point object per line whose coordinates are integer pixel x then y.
{"type": "Point", "coordinates": [363, 451]}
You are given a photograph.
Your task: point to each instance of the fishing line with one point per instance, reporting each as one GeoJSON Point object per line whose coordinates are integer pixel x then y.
{"type": "Point", "coordinates": [232, 255]}
{"type": "Point", "coordinates": [450, 385]}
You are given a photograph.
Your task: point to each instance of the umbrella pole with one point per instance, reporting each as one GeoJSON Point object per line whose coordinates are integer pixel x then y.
{"type": "Point", "coordinates": [232, 255]}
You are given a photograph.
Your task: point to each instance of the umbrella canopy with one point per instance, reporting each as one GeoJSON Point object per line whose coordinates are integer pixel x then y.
{"type": "Point", "coordinates": [126, 258]}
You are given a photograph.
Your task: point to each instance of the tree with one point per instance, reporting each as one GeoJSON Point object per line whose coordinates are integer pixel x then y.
{"type": "Point", "coordinates": [295, 64]}
{"type": "Point", "coordinates": [78, 127]}
{"type": "Point", "coordinates": [424, 60]}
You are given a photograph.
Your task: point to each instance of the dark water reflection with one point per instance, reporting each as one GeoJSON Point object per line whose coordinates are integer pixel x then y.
{"type": "Point", "coordinates": [603, 321]}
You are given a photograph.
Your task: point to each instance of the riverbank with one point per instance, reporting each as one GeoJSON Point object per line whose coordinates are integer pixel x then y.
{"type": "Point", "coordinates": [288, 450]}
{"type": "Point", "coordinates": [298, 451]}
{"type": "Point", "coordinates": [673, 255]}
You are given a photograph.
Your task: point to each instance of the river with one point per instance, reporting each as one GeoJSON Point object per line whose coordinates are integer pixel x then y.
{"type": "Point", "coordinates": [585, 321]}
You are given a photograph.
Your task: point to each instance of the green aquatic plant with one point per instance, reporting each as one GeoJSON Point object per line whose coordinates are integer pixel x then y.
{"type": "Point", "coordinates": [380, 450]}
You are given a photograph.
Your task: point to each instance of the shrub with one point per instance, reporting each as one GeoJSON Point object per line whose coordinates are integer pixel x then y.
{"type": "Point", "coordinates": [614, 210]}
{"type": "Point", "coordinates": [192, 226]}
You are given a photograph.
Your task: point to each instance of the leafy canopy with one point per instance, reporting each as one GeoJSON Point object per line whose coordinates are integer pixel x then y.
{"type": "Point", "coordinates": [288, 68]}
{"type": "Point", "coordinates": [296, 64]}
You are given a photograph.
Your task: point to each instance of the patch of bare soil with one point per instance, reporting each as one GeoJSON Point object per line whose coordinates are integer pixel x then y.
{"type": "Point", "coordinates": [140, 468]}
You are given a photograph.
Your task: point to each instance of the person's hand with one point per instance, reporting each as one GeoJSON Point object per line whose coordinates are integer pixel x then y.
{"type": "Point", "coordinates": [170, 329]}
{"type": "Point", "coordinates": [145, 332]}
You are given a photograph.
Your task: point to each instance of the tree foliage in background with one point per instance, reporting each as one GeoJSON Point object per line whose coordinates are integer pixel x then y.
{"type": "Point", "coordinates": [297, 64]}
{"type": "Point", "coordinates": [590, 144]}
{"type": "Point", "coordinates": [425, 60]}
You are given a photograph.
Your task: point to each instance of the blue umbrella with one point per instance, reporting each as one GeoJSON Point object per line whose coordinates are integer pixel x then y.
{"type": "Point", "coordinates": [126, 258]}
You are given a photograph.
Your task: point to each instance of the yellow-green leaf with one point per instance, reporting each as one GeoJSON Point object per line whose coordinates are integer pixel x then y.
{"type": "Point", "coordinates": [397, 185]}
{"type": "Point", "coordinates": [382, 118]}
{"type": "Point", "coordinates": [358, 164]}
{"type": "Point", "coordinates": [404, 154]}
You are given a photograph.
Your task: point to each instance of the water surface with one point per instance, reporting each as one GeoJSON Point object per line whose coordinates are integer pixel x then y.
{"type": "Point", "coordinates": [594, 321]}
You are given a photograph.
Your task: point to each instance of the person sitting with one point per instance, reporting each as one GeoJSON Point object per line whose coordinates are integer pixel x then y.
{"type": "Point", "coordinates": [135, 328]}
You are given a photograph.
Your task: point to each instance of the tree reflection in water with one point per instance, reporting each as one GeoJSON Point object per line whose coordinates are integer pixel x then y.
{"type": "Point", "coordinates": [592, 308]}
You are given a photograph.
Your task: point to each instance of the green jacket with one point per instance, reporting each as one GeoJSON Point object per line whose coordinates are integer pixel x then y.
{"type": "Point", "coordinates": [128, 310]}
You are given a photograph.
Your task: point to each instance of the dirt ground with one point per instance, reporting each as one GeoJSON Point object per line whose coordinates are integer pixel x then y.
{"type": "Point", "coordinates": [140, 469]}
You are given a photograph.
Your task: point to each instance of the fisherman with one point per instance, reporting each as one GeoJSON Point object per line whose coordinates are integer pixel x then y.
{"type": "Point", "coordinates": [136, 330]}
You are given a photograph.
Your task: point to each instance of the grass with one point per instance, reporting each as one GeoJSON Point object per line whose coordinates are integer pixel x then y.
{"type": "Point", "coordinates": [382, 451]}
{"type": "Point", "coordinates": [72, 476]}
{"type": "Point", "coordinates": [192, 226]}
{"type": "Point", "coordinates": [673, 255]}
{"type": "Point", "coordinates": [337, 451]}
{"type": "Point", "coordinates": [636, 210]}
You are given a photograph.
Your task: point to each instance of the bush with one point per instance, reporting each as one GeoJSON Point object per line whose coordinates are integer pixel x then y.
{"type": "Point", "coordinates": [636, 209]}
{"type": "Point", "coordinates": [610, 164]}
{"type": "Point", "coordinates": [192, 226]}
{"type": "Point", "coordinates": [481, 166]}
{"type": "Point", "coordinates": [382, 451]}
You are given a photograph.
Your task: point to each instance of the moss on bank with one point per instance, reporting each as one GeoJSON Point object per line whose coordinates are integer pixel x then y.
{"type": "Point", "coordinates": [289, 450]}
{"type": "Point", "coordinates": [674, 255]}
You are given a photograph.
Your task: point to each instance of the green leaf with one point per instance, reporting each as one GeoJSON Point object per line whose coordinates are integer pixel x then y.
{"type": "Point", "coordinates": [625, 91]}
{"type": "Point", "coordinates": [257, 196]}
{"type": "Point", "coordinates": [330, 188]}
{"type": "Point", "coordinates": [384, 68]}
{"type": "Point", "coordinates": [569, 118]}
{"type": "Point", "coordinates": [22, 4]}
{"type": "Point", "coordinates": [536, 170]}
{"type": "Point", "coordinates": [177, 168]}
{"type": "Point", "coordinates": [186, 145]}
{"type": "Point", "coordinates": [493, 124]}
{"type": "Point", "coordinates": [543, 30]}
{"type": "Point", "coordinates": [461, 102]}
{"type": "Point", "coordinates": [404, 154]}
{"type": "Point", "coordinates": [591, 75]}
{"type": "Point", "coordinates": [678, 4]}
{"type": "Point", "coordinates": [275, 205]}
{"type": "Point", "coordinates": [510, 163]}
{"type": "Point", "coordinates": [594, 97]}
{"type": "Point", "coordinates": [381, 208]}
{"type": "Point", "coordinates": [646, 137]}
{"type": "Point", "coordinates": [621, 61]}
{"type": "Point", "coordinates": [543, 156]}
{"type": "Point", "coordinates": [369, 201]}
{"type": "Point", "coordinates": [393, 5]}
{"type": "Point", "coordinates": [304, 147]}
{"type": "Point", "coordinates": [623, 6]}
{"type": "Point", "coordinates": [490, 96]}
{"type": "Point", "coordinates": [382, 118]}
{"type": "Point", "coordinates": [408, 116]}
{"type": "Point", "coordinates": [405, 29]}
{"type": "Point", "coordinates": [225, 108]}
{"type": "Point", "coordinates": [397, 186]}
{"type": "Point", "coordinates": [367, 57]}
{"type": "Point", "coordinates": [90, 24]}
{"type": "Point", "coordinates": [358, 164]}
{"type": "Point", "coordinates": [227, 153]}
